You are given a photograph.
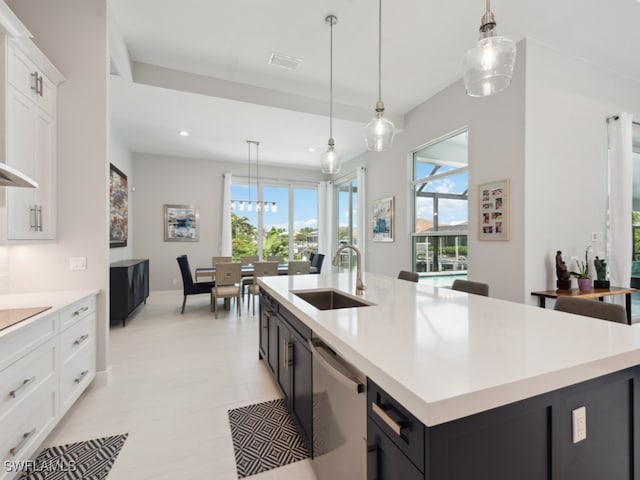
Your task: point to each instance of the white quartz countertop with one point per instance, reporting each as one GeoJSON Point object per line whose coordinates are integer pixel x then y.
{"type": "Point", "coordinates": [445, 354]}
{"type": "Point", "coordinates": [55, 300]}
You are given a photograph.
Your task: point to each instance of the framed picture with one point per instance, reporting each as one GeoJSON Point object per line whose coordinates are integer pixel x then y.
{"type": "Point", "coordinates": [382, 220]}
{"type": "Point", "coordinates": [118, 208]}
{"type": "Point", "coordinates": [181, 223]}
{"type": "Point", "coordinates": [493, 199]}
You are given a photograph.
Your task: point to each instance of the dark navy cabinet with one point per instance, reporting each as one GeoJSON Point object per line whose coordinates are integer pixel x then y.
{"type": "Point", "coordinates": [128, 287]}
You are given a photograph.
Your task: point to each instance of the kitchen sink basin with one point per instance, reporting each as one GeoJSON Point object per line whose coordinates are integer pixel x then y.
{"type": "Point", "coordinates": [330, 299]}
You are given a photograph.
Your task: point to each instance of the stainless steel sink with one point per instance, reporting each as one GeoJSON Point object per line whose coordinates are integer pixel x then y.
{"type": "Point", "coordinates": [330, 299]}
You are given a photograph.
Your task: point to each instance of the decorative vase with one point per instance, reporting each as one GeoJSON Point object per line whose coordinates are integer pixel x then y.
{"type": "Point", "coordinates": [585, 284]}
{"type": "Point", "coordinates": [563, 284]}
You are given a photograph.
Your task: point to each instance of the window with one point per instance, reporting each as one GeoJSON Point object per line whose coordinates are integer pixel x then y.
{"type": "Point", "coordinates": [287, 222]}
{"type": "Point", "coordinates": [347, 223]}
{"type": "Point", "coordinates": [441, 214]}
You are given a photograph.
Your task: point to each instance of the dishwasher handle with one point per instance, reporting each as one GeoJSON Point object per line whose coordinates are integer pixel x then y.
{"type": "Point", "coordinates": [335, 366]}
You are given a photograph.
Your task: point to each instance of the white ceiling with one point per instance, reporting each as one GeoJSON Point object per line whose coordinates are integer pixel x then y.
{"type": "Point", "coordinates": [216, 82]}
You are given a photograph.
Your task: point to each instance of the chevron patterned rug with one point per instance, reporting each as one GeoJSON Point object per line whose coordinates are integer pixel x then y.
{"type": "Point", "coordinates": [264, 437]}
{"type": "Point", "coordinates": [91, 460]}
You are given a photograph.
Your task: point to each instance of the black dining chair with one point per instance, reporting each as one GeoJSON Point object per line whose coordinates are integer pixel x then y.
{"type": "Point", "coordinates": [316, 261]}
{"type": "Point", "coordinates": [188, 285]}
{"type": "Point", "coordinates": [409, 276]}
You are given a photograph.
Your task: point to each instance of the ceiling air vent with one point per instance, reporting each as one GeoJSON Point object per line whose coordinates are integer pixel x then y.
{"type": "Point", "coordinates": [284, 61]}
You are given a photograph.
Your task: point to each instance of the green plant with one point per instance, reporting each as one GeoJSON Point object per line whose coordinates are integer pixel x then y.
{"type": "Point", "coordinates": [583, 267]}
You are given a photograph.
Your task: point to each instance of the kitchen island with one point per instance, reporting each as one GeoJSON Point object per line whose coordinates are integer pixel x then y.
{"type": "Point", "coordinates": [494, 385]}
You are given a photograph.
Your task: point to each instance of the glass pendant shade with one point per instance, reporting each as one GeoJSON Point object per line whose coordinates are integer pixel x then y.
{"type": "Point", "coordinates": [330, 161]}
{"type": "Point", "coordinates": [378, 135]}
{"type": "Point", "coordinates": [488, 67]}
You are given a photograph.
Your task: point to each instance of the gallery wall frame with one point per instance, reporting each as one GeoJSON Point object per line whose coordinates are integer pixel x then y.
{"type": "Point", "coordinates": [382, 226]}
{"type": "Point", "coordinates": [181, 223]}
{"type": "Point", "coordinates": [493, 202]}
{"type": "Point", "coordinates": [118, 207]}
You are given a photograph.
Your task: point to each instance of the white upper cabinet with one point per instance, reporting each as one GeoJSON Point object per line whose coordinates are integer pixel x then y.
{"type": "Point", "coordinates": [29, 88]}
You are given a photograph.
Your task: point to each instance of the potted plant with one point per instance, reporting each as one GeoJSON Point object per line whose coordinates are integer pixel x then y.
{"type": "Point", "coordinates": [601, 274]}
{"type": "Point", "coordinates": [583, 276]}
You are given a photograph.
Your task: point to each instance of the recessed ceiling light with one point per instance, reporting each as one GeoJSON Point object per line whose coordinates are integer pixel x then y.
{"type": "Point", "coordinates": [284, 61]}
{"type": "Point", "coordinates": [311, 149]}
{"type": "Point", "coordinates": [183, 133]}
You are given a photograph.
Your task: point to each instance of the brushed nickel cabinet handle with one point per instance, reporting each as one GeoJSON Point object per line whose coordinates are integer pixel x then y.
{"type": "Point", "coordinates": [80, 310]}
{"type": "Point", "coordinates": [33, 218]}
{"type": "Point", "coordinates": [265, 321]}
{"type": "Point", "coordinates": [14, 393]}
{"type": "Point", "coordinates": [39, 218]}
{"type": "Point", "coordinates": [20, 444]}
{"type": "Point", "coordinates": [41, 85]}
{"type": "Point", "coordinates": [82, 375]}
{"type": "Point", "coordinates": [384, 416]}
{"type": "Point", "coordinates": [34, 86]}
{"type": "Point", "coordinates": [81, 339]}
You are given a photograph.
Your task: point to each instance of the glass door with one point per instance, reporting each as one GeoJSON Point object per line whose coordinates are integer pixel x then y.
{"type": "Point", "coordinates": [347, 223]}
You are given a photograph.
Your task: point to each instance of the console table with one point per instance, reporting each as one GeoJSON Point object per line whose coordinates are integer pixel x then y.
{"type": "Point", "coordinates": [129, 287]}
{"type": "Point", "coordinates": [598, 293]}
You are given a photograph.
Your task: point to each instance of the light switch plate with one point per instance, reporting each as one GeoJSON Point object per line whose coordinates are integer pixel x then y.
{"type": "Point", "coordinates": [579, 421]}
{"type": "Point", "coordinates": [77, 263]}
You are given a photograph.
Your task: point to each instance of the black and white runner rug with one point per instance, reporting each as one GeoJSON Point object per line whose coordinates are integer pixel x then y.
{"type": "Point", "coordinates": [90, 460]}
{"type": "Point", "coordinates": [264, 437]}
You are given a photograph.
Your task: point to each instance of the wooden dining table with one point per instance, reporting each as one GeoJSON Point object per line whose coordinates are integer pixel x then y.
{"type": "Point", "coordinates": [247, 271]}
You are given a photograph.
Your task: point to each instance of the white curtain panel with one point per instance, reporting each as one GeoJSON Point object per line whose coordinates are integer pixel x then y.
{"type": "Point", "coordinates": [362, 215]}
{"type": "Point", "coordinates": [620, 198]}
{"type": "Point", "coordinates": [325, 224]}
{"type": "Point", "coordinates": [225, 229]}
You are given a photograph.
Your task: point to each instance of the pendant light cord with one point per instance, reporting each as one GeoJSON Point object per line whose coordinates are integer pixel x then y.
{"type": "Point", "coordinates": [331, 22]}
{"type": "Point", "coordinates": [249, 166]}
{"type": "Point", "coordinates": [380, 51]}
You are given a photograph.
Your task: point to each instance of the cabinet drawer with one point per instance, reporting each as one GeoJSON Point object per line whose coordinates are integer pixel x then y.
{"type": "Point", "coordinates": [76, 337]}
{"type": "Point", "coordinates": [75, 377]}
{"type": "Point", "coordinates": [24, 339]}
{"type": "Point", "coordinates": [76, 311]}
{"type": "Point", "coordinates": [23, 431]}
{"type": "Point", "coordinates": [405, 430]}
{"type": "Point", "coordinates": [23, 377]}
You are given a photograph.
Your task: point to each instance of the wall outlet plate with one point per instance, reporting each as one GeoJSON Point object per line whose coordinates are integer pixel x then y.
{"type": "Point", "coordinates": [77, 263]}
{"type": "Point", "coordinates": [579, 422]}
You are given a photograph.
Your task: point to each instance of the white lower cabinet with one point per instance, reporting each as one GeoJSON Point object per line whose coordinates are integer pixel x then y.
{"type": "Point", "coordinates": [45, 366]}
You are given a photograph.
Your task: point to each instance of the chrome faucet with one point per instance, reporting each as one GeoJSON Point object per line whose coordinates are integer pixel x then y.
{"type": "Point", "coordinates": [359, 285]}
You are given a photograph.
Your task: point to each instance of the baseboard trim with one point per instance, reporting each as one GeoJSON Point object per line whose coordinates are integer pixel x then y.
{"type": "Point", "coordinates": [102, 378]}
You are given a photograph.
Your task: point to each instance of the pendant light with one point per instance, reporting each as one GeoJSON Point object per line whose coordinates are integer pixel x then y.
{"type": "Point", "coordinates": [379, 133]}
{"type": "Point", "coordinates": [330, 161]}
{"type": "Point", "coordinates": [258, 204]}
{"type": "Point", "coordinates": [488, 67]}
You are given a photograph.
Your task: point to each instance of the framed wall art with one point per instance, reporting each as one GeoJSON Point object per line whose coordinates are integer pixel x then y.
{"type": "Point", "coordinates": [181, 223]}
{"type": "Point", "coordinates": [118, 208]}
{"type": "Point", "coordinates": [382, 220]}
{"type": "Point", "coordinates": [493, 199]}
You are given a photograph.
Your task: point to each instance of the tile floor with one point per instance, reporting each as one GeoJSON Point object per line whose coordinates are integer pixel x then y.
{"type": "Point", "coordinates": [174, 378]}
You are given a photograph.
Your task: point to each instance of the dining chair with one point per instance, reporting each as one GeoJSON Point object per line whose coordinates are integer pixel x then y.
{"type": "Point", "coordinates": [261, 269]}
{"type": "Point", "coordinates": [409, 276]}
{"type": "Point", "coordinates": [316, 262]}
{"type": "Point", "coordinates": [592, 308]}
{"type": "Point", "coordinates": [276, 258]}
{"type": "Point", "coordinates": [477, 288]}
{"type": "Point", "coordinates": [227, 284]}
{"type": "Point", "coordinates": [215, 260]}
{"type": "Point", "coordinates": [298, 267]}
{"type": "Point", "coordinates": [189, 287]}
{"type": "Point", "coordinates": [311, 257]}
{"type": "Point", "coordinates": [248, 280]}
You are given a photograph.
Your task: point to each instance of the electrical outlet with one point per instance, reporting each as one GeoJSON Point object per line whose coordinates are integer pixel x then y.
{"type": "Point", "coordinates": [579, 422]}
{"type": "Point", "coordinates": [77, 263]}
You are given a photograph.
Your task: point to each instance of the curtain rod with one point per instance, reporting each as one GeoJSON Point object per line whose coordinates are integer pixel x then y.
{"type": "Point", "coordinates": [616, 117]}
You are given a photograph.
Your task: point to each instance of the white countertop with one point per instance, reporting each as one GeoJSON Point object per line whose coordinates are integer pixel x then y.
{"type": "Point", "coordinates": [445, 354]}
{"type": "Point", "coordinates": [55, 300]}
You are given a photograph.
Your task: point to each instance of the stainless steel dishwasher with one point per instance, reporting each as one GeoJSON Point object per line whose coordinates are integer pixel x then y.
{"type": "Point", "coordinates": [339, 416]}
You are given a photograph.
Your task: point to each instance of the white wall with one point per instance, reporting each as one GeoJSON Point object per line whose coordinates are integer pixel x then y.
{"type": "Point", "coordinates": [496, 151]}
{"type": "Point", "coordinates": [567, 104]}
{"type": "Point", "coordinates": [163, 180]}
{"type": "Point", "coordinates": [73, 36]}
{"type": "Point", "coordinates": [121, 157]}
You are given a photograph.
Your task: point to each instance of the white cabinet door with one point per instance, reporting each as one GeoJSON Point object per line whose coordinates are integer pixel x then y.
{"type": "Point", "coordinates": [44, 171]}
